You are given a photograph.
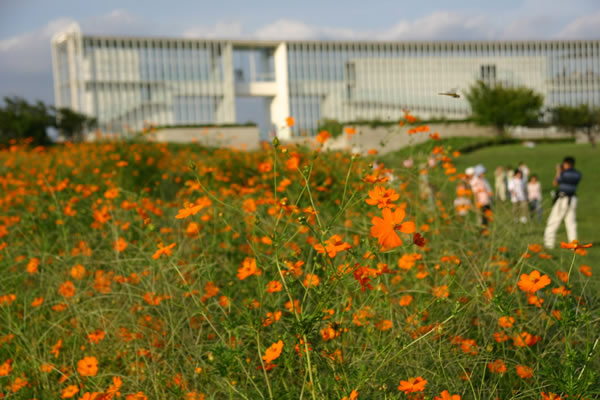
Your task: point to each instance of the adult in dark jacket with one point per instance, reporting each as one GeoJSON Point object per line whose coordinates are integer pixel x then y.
{"type": "Point", "coordinates": [565, 203]}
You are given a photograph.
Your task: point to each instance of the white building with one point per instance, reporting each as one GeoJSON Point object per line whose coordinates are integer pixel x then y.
{"type": "Point", "coordinates": [127, 81]}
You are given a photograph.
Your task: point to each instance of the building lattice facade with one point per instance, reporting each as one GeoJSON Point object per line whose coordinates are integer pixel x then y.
{"type": "Point", "coordinates": [126, 82]}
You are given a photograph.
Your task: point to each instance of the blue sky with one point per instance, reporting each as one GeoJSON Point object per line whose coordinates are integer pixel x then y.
{"type": "Point", "coordinates": [26, 26]}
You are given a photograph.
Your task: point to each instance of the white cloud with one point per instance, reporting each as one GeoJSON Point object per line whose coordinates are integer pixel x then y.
{"type": "Point", "coordinates": [29, 52]}
{"type": "Point", "coordinates": [586, 27]}
{"type": "Point", "coordinates": [222, 29]}
{"type": "Point", "coordinates": [288, 29]}
{"type": "Point", "coordinates": [533, 27]}
{"type": "Point", "coordinates": [438, 25]}
{"type": "Point", "coordinates": [121, 22]}
{"type": "Point", "coordinates": [441, 25]}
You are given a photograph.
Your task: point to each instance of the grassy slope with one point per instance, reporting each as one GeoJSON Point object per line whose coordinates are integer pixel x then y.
{"type": "Point", "coordinates": [542, 161]}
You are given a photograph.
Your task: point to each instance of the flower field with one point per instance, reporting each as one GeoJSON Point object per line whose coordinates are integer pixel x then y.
{"type": "Point", "coordinates": [138, 270]}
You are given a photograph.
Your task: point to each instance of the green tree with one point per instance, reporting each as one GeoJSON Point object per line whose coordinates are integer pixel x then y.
{"type": "Point", "coordinates": [332, 126]}
{"type": "Point", "coordinates": [503, 106]}
{"type": "Point", "coordinates": [72, 125]}
{"type": "Point", "coordinates": [20, 120]}
{"type": "Point", "coordinates": [573, 118]}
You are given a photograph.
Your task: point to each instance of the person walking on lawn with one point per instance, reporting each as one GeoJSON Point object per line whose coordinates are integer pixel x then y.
{"type": "Point", "coordinates": [565, 202]}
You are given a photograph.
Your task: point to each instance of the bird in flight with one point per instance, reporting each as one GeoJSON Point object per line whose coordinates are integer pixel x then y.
{"type": "Point", "coordinates": [452, 93]}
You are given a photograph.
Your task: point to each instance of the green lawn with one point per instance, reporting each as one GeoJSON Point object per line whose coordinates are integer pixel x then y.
{"type": "Point", "coordinates": [542, 161]}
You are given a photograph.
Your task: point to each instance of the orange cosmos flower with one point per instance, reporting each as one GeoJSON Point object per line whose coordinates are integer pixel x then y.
{"type": "Point", "coordinates": [90, 396]}
{"type": "Point", "coordinates": [18, 384]}
{"type": "Point", "coordinates": [248, 268]}
{"type": "Point", "coordinates": [506, 322]}
{"type": "Point", "coordinates": [293, 162]}
{"type": "Point", "coordinates": [69, 392]}
{"type": "Point", "coordinates": [271, 318]}
{"type": "Point", "coordinates": [497, 367]}
{"type": "Point", "coordinates": [563, 276]}
{"type": "Point", "coordinates": [87, 366]}
{"type": "Point", "coordinates": [6, 367]}
{"type": "Point", "coordinates": [38, 301]}
{"type": "Point", "coordinates": [574, 245]}
{"type": "Point", "coordinates": [224, 301]}
{"type": "Point", "coordinates": [353, 395]}
{"type": "Point", "coordinates": [408, 261]}
{"type": "Point", "coordinates": [384, 229]}
{"type": "Point", "coordinates": [295, 269]}
{"type": "Point", "coordinates": [534, 300]}
{"type": "Point", "coordinates": [67, 289]}
{"type": "Point", "coordinates": [525, 339]}
{"type": "Point", "coordinates": [194, 396]}
{"type": "Point", "coordinates": [32, 266]}
{"type": "Point", "coordinates": [273, 352]}
{"type": "Point", "coordinates": [533, 282]}
{"type": "Point", "coordinates": [311, 280]}
{"type": "Point", "coordinates": [192, 229]}
{"type": "Point", "coordinates": [334, 245]}
{"type": "Point", "coordinates": [556, 314]}
{"type": "Point", "coordinates": [111, 193]}
{"type": "Point", "coordinates": [265, 167]}
{"type": "Point", "coordinates": [193, 209]}
{"type": "Point", "coordinates": [136, 396]}
{"type": "Point", "coordinates": [329, 333]}
{"type": "Point", "coordinates": [469, 346]}
{"type": "Point", "coordinates": [96, 336]}
{"type": "Point", "coordinates": [563, 291]}
{"type": "Point", "coordinates": [78, 272]}
{"type": "Point", "coordinates": [274, 286]}
{"type": "Point", "coordinates": [524, 372]}
{"type": "Point", "coordinates": [210, 290]}
{"type": "Point", "coordinates": [586, 270]}
{"type": "Point", "coordinates": [163, 250]}
{"type": "Point", "coordinates": [363, 275]}
{"type": "Point", "coordinates": [500, 337]}
{"type": "Point", "coordinates": [382, 197]}
{"type": "Point", "coordinates": [249, 206]}
{"type": "Point", "coordinates": [384, 325]}
{"type": "Point", "coordinates": [323, 136]}
{"type": "Point", "coordinates": [551, 396]}
{"type": "Point", "coordinates": [7, 298]}
{"type": "Point", "coordinates": [409, 118]}
{"type": "Point", "coordinates": [46, 368]}
{"type": "Point", "coordinates": [445, 395]}
{"type": "Point", "coordinates": [412, 385]}
{"type": "Point", "coordinates": [120, 245]}
{"type": "Point", "coordinates": [289, 121]}
{"type": "Point", "coordinates": [440, 291]}
{"type": "Point", "coordinates": [405, 300]}
{"type": "Point", "coordinates": [56, 348]}
{"type": "Point", "coordinates": [113, 389]}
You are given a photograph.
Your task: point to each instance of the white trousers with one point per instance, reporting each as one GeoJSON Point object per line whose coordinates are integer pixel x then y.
{"type": "Point", "coordinates": [562, 209]}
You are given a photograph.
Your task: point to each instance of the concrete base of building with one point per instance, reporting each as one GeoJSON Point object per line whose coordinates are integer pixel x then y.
{"type": "Point", "coordinates": [235, 137]}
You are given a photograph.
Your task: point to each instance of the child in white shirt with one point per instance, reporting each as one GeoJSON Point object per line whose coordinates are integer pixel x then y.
{"type": "Point", "coordinates": [517, 195]}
